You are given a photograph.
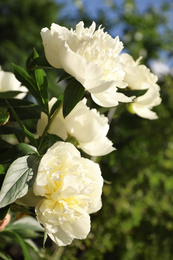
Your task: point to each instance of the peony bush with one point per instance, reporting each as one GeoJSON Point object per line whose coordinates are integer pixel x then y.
{"type": "Point", "coordinates": [43, 169]}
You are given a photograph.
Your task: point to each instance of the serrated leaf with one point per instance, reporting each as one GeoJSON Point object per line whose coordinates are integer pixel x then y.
{"type": "Point", "coordinates": [72, 95]}
{"type": "Point", "coordinates": [19, 178]}
{"type": "Point", "coordinates": [4, 116]}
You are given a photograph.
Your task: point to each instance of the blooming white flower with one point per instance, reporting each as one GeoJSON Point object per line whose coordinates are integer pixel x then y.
{"type": "Point", "coordinates": [8, 82]}
{"type": "Point", "coordinates": [72, 188]}
{"type": "Point", "coordinates": [139, 77]}
{"type": "Point", "coordinates": [89, 55]}
{"type": "Point", "coordinates": [86, 125]}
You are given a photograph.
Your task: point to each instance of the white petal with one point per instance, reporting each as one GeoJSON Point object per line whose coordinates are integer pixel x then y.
{"type": "Point", "coordinates": [144, 112]}
{"type": "Point", "coordinates": [79, 227]}
{"type": "Point", "coordinates": [61, 238]}
{"type": "Point", "coordinates": [86, 125]}
{"type": "Point", "coordinates": [41, 124]}
{"type": "Point", "coordinates": [98, 148]}
{"type": "Point", "coordinates": [110, 98]}
{"type": "Point", "coordinates": [51, 48]}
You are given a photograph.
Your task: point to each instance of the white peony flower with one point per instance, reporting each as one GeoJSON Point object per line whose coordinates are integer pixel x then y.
{"type": "Point", "coordinates": [72, 188]}
{"type": "Point", "coordinates": [86, 125]}
{"type": "Point", "coordinates": [89, 55]}
{"type": "Point", "coordinates": [8, 82]}
{"type": "Point", "coordinates": [142, 105]}
{"type": "Point", "coordinates": [139, 77]}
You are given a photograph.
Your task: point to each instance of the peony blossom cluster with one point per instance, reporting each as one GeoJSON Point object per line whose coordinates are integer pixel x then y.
{"type": "Point", "coordinates": [93, 58]}
{"type": "Point", "coordinates": [71, 188]}
{"type": "Point", "coordinates": [68, 186]}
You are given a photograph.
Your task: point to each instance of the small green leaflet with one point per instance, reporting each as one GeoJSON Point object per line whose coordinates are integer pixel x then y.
{"type": "Point", "coordinates": [19, 178]}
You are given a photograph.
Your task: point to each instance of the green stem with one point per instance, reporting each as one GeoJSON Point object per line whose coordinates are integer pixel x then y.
{"type": "Point", "coordinates": [28, 134]}
{"type": "Point", "coordinates": [50, 120]}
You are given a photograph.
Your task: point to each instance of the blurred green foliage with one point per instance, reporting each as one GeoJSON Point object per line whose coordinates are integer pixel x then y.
{"type": "Point", "coordinates": [20, 25]}
{"type": "Point", "coordinates": [136, 220]}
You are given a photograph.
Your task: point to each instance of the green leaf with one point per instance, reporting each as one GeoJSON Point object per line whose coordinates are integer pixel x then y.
{"type": "Point", "coordinates": [65, 75]}
{"type": "Point", "coordinates": [20, 240]}
{"type": "Point", "coordinates": [24, 109]}
{"type": "Point", "coordinates": [56, 105]}
{"type": "Point", "coordinates": [16, 103]}
{"type": "Point", "coordinates": [19, 178]}
{"type": "Point", "coordinates": [5, 256]}
{"type": "Point", "coordinates": [45, 238]}
{"type": "Point", "coordinates": [40, 78]}
{"type": "Point", "coordinates": [30, 136]}
{"type": "Point", "coordinates": [52, 139]}
{"type": "Point", "coordinates": [5, 130]}
{"type": "Point", "coordinates": [72, 95]}
{"type": "Point", "coordinates": [2, 170]}
{"type": "Point", "coordinates": [9, 94]}
{"type": "Point", "coordinates": [42, 85]}
{"type": "Point", "coordinates": [40, 63]}
{"type": "Point", "coordinates": [131, 92]}
{"type": "Point", "coordinates": [4, 116]}
{"type": "Point", "coordinates": [16, 151]}
{"type": "Point", "coordinates": [30, 59]}
{"type": "Point", "coordinates": [26, 81]}
{"type": "Point", "coordinates": [29, 224]}
{"type": "Point", "coordinates": [3, 212]}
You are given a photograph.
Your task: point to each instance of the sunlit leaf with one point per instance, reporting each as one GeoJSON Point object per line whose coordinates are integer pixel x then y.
{"type": "Point", "coordinates": [19, 178]}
